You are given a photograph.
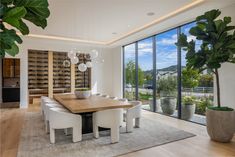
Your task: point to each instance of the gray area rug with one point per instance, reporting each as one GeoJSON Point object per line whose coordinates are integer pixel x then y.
{"type": "Point", "coordinates": [34, 142]}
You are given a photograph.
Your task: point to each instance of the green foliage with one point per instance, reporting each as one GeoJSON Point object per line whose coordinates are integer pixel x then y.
{"type": "Point", "coordinates": [220, 108]}
{"type": "Point", "coordinates": [82, 89]}
{"type": "Point", "coordinates": [130, 74]}
{"type": "Point", "coordinates": [167, 86]}
{"type": "Point", "coordinates": [190, 78]}
{"type": "Point", "coordinates": [218, 44]}
{"type": "Point", "coordinates": [14, 12]}
{"type": "Point", "coordinates": [201, 105]}
{"type": "Point", "coordinates": [206, 80]}
{"type": "Point", "coordinates": [188, 100]}
{"type": "Point", "coordinates": [145, 96]}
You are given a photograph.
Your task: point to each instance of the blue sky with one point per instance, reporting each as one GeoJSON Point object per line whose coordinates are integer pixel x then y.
{"type": "Point", "coordinates": [165, 47]}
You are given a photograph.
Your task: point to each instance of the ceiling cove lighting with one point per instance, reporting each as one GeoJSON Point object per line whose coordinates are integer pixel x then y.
{"type": "Point", "coordinates": [156, 21]}
{"type": "Point", "coordinates": [65, 39]}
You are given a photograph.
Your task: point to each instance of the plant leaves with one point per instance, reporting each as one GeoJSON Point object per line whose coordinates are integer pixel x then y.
{"type": "Point", "coordinates": [14, 16]}
{"type": "Point", "coordinates": [15, 13]}
{"type": "Point", "coordinates": [182, 41]}
{"type": "Point", "coordinates": [37, 11]}
{"type": "Point", "coordinates": [14, 50]}
{"type": "Point", "coordinates": [37, 21]}
{"type": "Point", "coordinates": [8, 39]}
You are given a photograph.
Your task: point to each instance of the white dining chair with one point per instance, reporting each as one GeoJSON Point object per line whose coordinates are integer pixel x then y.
{"type": "Point", "coordinates": [105, 96]}
{"type": "Point", "coordinates": [61, 119]}
{"type": "Point", "coordinates": [113, 98]}
{"type": "Point", "coordinates": [111, 118]}
{"type": "Point", "coordinates": [45, 100]}
{"type": "Point", "coordinates": [133, 113]}
{"type": "Point", "coordinates": [46, 112]}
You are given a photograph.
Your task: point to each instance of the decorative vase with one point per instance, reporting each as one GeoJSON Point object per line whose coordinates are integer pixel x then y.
{"type": "Point", "coordinates": [83, 94]}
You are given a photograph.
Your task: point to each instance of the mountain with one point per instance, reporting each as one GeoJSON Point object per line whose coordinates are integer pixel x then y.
{"type": "Point", "coordinates": [170, 68]}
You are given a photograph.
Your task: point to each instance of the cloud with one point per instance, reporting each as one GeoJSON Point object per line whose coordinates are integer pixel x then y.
{"type": "Point", "coordinates": [168, 41]}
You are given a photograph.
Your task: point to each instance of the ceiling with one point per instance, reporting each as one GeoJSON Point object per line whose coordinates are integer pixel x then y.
{"type": "Point", "coordinates": [108, 21]}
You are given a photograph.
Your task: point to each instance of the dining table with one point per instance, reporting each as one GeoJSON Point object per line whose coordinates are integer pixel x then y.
{"type": "Point", "coordinates": [85, 107]}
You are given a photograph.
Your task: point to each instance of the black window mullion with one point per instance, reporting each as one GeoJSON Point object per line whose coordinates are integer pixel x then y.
{"type": "Point", "coordinates": [154, 73]}
{"type": "Point", "coordinates": [123, 72]}
{"type": "Point", "coordinates": [179, 74]}
{"type": "Point", "coordinates": [136, 72]}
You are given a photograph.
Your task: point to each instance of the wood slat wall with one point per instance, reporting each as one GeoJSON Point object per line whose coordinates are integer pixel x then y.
{"type": "Point", "coordinates": [61, 78]}
{"type": "Point", "coordinates": [61, 74]}
{"type": "Point", "coordinates": [83, 79]}
{"type": "Point", "coordinates": [37, 69]}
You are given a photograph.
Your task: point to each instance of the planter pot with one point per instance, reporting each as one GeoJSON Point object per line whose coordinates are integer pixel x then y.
{"type": "Point", "coordinates": [83, 94]}
{"type": "Point", "coordinates": [188, 111]}
{"type": "Point", "coordinates": [168, 105]}
{"type": "Point", "coordinates": [220, 125]}
{"type": "Point", "coordinates": [158, 102]}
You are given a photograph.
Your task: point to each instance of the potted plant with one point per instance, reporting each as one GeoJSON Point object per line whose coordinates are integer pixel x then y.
{"type": "Point", "coordinates": [188, 107]}
{"type": "Point", "coordinates": [83, 93]}
{"type": "Point", "coordinates": [217, 47]}
{"type": "Point", "coordinates": [167, 89]}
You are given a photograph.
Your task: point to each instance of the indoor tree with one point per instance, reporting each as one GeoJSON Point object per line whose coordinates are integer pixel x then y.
{"type": "Point", "coordinates": [13, 14]}
{"type": "Point", "coordinates": [218, 46]}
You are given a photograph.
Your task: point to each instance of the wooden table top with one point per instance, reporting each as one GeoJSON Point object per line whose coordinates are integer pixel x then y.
{"type": "Point", "coordinates": [92, 104]}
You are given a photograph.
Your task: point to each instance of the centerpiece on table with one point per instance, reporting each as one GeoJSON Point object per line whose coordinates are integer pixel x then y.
{"type": "Point", "coordinates": [82, 93]}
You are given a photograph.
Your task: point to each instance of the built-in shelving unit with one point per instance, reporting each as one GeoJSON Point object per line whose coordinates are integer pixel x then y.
{"type": "Point", "coordinates": [48, 75]}
{"type": "Point", "coordinates": [37, 74]}
{"type": "Point", "coordinates": [83, 79]}
{"type": "Point", "coordinates": [61, 73]}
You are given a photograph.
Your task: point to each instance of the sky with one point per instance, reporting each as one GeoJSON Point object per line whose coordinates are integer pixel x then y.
{"type": "Point", "coordinates": [165, 48]}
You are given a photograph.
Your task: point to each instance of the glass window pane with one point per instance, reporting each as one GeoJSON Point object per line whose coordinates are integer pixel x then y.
{"type": "Point", "coordinates": [130, 80]}
{"type": "Point", "coordinates": [195, 86]}
{"type": "Point", "coordinates": [145, 73]}
{"type": "Point", "coordinates": [166, 76]}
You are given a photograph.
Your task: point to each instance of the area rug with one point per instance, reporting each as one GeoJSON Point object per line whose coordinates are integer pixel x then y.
{"type": "Point", "coordinates": [34, 142]}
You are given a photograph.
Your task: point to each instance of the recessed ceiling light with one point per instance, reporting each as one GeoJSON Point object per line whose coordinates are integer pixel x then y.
{"type": "Point", "coordinates": [150, 13]}
{"type": "Point", "coordinates": [128, 25]}
{"type": "Point", "coordinates": [114, 33]}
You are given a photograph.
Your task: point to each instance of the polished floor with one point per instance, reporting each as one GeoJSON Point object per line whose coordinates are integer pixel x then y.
{"type": "Point", "coordinates": [11, 121]}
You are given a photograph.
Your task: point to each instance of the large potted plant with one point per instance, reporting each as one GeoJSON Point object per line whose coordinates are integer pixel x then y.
{"type": "Point", "coordinates": [188, 107]}
{"type": "Point", "coordinates": [14, 13]}
{"type": "Point", "coordinates": [167, 90]}
{"type": "Point", "coordinates": [217, 47]}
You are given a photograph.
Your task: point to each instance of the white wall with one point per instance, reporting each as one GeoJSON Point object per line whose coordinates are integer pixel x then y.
{"type": "Point", "coordinates": [227, 85]}
{"type": "Point", "coordinates": [117, 71]}
{"type": "Point", "coordinates": [101, 72]}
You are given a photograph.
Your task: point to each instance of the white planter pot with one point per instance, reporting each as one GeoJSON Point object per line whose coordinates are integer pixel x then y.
{"type": "Point", "coordinates": [188, 111]}
{"type": "Point", "coordinates": [168, 105]}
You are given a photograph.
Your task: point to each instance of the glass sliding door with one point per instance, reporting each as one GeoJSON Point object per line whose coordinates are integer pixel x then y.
{"type": "Point", "coordinates": [166, 73]}
{"type": "Point", "coordinates": [130, 72]}
{"type": "Point", "coordinates": [145, 73]}
{"type": "Point", "coordinates": [195, 86]}
{"type": "Point", "coordinates": [155, 73]}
